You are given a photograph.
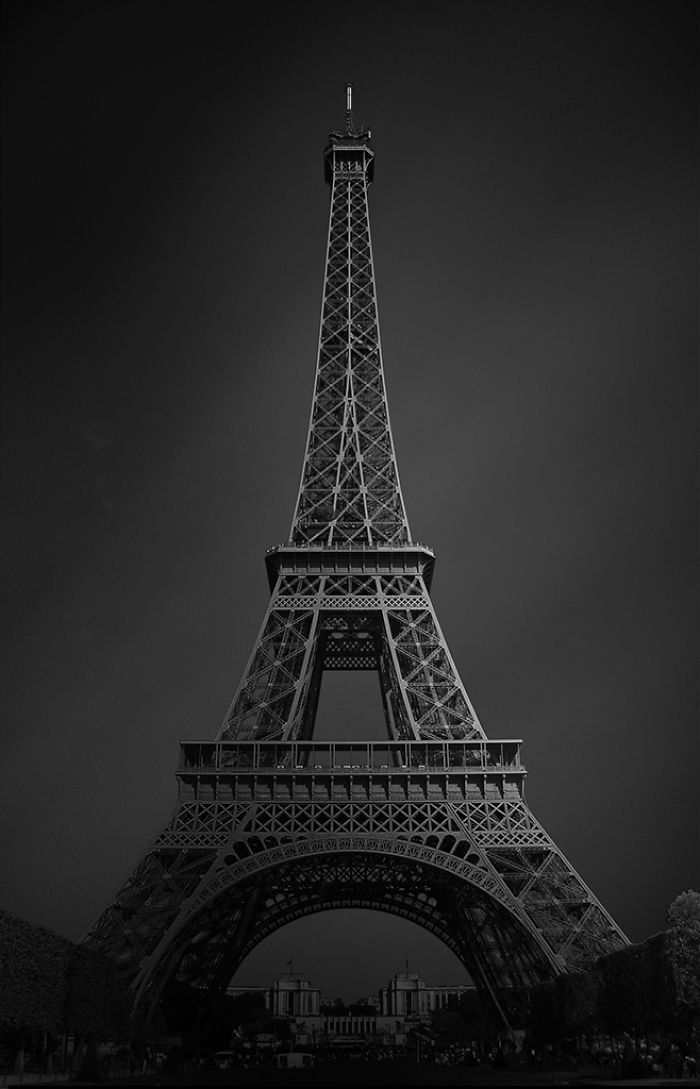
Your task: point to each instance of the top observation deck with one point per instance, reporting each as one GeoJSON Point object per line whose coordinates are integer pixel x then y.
{"type": "Point", "coordinates": [349, 150]}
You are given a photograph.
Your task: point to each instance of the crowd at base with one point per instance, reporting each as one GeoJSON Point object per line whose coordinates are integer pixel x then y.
{"type": "Point", "coordinates": [603, 1057]}
{"type": "Point", "coordinates": [615, 1058]}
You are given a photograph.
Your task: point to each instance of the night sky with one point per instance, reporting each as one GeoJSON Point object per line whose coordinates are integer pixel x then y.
{"type": "Point", "coordinates": [534, 219]}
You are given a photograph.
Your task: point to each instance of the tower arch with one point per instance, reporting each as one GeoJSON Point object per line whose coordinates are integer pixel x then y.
{"type": "Point", "coordinates": [206, 947]}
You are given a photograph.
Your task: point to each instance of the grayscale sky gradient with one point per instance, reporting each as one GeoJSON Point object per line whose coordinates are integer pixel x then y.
{"type": "Point", "coordinates": [535, 239]}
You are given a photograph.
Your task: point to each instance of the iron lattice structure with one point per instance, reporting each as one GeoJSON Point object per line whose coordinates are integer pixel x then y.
{"type": "Point", "coordinates": [431, 824]}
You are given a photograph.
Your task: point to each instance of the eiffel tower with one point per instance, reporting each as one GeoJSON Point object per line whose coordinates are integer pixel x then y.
{"type": "Point", "coordinates": [429, 824]}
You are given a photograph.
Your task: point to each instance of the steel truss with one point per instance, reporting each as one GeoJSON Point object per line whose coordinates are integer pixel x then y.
{"type": "Point", "coordinates": [432, 824]}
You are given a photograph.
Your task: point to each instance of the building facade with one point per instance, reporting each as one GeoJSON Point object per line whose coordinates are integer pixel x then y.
{"type": "Point", "coordinates": [405, 1002]}
{"type": "Point", "coordinates": [407, 995]}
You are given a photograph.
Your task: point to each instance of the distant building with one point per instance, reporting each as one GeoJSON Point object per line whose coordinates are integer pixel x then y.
{"type": "Point", "coordinates": [405, 1001]}
{"type": "Point", "coordinates": [293, 996]}
{"type": "Point", "coordinates": [407, 995]}
{"type": "Point", "coordinates": [237, 992]}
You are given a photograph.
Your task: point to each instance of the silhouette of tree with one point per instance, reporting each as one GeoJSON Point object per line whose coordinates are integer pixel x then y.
{"type": "Point", "coordinates": [683, 948]}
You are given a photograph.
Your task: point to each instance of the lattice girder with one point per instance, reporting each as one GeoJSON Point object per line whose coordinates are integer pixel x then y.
{"type": "Point", "coordinates": [350, 486]}
{"type": "Point", "coordinates": [248, 809]}
{"type": "Point", "coordinates": [425, 697]}
{"type": "Point", "coordinates": [432, 823]}
{"type": "Point", "coordinates": [461, 916]}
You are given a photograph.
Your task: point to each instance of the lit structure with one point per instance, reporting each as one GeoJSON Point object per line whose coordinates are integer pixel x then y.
{"type": "Point", "coordinates": [430, 824]}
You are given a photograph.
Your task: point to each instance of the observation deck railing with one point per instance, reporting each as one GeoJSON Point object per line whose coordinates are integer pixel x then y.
{"type": "Point", "coordinates": [348, 757]}
{"type": "Point", "coordinates": [345, 546]}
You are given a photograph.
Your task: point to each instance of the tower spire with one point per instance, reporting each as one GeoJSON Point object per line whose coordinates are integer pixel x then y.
{"type": "Point", "coordinates": [349, 491]}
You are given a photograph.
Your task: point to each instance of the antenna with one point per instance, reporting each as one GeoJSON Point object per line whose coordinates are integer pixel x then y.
{"type": "Point", "coordinates": [348, 109]}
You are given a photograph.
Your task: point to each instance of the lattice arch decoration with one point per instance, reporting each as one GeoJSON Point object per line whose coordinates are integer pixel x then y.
{"type": "Point", "coordinates": [453, 898]}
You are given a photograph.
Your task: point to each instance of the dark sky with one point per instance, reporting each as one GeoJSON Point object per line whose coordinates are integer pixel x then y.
{"type": "Point", "coordinates": [535, 240]}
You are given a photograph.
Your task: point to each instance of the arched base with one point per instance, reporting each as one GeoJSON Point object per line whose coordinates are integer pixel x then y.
{"type": "Point", "coordinates": [496, 949]}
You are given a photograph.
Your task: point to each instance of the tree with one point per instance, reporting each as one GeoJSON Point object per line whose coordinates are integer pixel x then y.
{"type": "Point", "coordinates": [638, 993]}
{"type": "Point", "coordinates": [180, 1004]}
{"type": "Point", "coordinates": [249, 1013]}
{"type": "Point", "coordinates": [361, 1008]}
{"type": "Point", "coordinates": [546, 1022]}
{"type": "Point", "coordinates": [565, 1007]}
{"type": "Point", "coordinates": [96, 1000]}
{"type": "Point", "coordinates": [52, 986]}
{"type": "Point", "coordinates": [577, 996]}
{"type": "Point", "coordinates": [32, 970]}
{"type": "Point", "coordinates": [461, 1021]}
{"type": "Point", "coordinates": [682, 943]}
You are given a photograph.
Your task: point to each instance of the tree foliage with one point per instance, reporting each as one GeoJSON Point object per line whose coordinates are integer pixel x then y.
{"type": "Point", "coordinates": [449, 1026]}
{"type": "Point", "coordinates": [50, 984]}
{"type": "Point", "coordinates": [361, 1009]}
{"type": "Point", "coordinates": [248, 1013]}
{"type": "Point", "coordinates": [96, 1001]}
{"type": "Point", "coordinates": [461, 1021]}
{"type": "Point", "coordinates": [637, 994]}
{"type": "Point", "coordinates": [682, 943]}
{"type": "Point", "coordinates": [647, 988]}
{"type": "Point", "coordinates": [578, 997]}
{"type": "Point", "coordinates": [33, 971]}
{"type": "Point", "coordinates": [335, 1006]}
{"type": "Point", "coordinates": [545, 1015]}
{"type": "Point", "coordinates": [633, 990]}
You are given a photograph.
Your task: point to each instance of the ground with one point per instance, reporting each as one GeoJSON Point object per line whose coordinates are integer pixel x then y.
{"type": "Point", "coordinates": [367, 1074]}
